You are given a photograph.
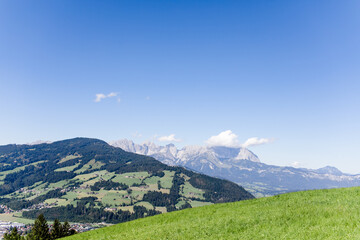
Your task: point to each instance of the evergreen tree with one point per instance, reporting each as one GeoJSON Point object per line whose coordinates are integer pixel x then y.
{"type": "Point", "coordinates": [65, 229]}
{"type": "Point", "coordinates": [13, 235]}
{"type": "Point", "coordinates": [40, 231]}
{"type": "Point", "coordinates": [72, 232]}
{"type": "Point", "coordinates": [56, 231]}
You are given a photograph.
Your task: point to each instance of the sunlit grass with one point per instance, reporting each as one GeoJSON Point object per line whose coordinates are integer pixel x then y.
{"type": "Point", "coordinates": [319, 214]}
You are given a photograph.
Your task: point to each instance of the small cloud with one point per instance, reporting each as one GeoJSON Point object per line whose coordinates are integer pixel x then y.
{"type": "Point", "coordinates": [170, 138]}
{"type": "Point", "coordinates": [112, 94]}
{"type": "Point", "coordinates": [101, 96]}
{"type": "Point", "coordinates": [256, 141]}
{"type": "Point", "coordinates": [226, 139]}
{"type": "Point", "coordinates": [147, 98]}
{"type": "Point", "coordinates": [296, 164]}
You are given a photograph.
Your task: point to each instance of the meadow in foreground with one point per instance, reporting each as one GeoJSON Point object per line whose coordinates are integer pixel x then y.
{"type": "Point", "coordinates": [318, 214]}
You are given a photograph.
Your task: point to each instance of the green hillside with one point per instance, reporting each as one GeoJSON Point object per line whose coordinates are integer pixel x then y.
{"type": "Point", "coordinates": [319, 214]}
{"type": "Point", "coordinates": [87, 180]}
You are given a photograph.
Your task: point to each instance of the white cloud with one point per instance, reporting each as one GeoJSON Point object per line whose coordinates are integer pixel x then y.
{"type": "Point", "coordinates": [226, 138]}
{"type": "Point", "coordinates": [112, 94]}
{"type": "Point", "coordinates": [254, 141]}
{"type": "Point", "coordinates": [170, 138]}
{"type": "Point", "coordinates": [101, 96]}
{"type": "Point", "coordinates": [296, 164]}
{"type": "Point", "coordinates": [229, 139]}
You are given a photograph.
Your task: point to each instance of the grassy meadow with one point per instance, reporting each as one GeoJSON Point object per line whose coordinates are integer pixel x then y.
{"type": "Point", "coordinates": [318, 214]}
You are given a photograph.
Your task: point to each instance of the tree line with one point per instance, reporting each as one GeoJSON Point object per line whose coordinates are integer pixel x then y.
{"type": "Point", "coordinates": [42, 231]}
{"type": "Point", "coordinates": [85, 211]}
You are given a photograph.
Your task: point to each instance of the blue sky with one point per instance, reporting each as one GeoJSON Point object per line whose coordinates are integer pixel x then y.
{"type": "Point", "coordinates": [286, 71]}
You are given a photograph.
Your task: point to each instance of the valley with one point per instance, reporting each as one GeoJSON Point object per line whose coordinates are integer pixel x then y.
{"type": "Point", "coordinates": [92, 184]}
{"type": "Point", "coordinates": [86, 180]}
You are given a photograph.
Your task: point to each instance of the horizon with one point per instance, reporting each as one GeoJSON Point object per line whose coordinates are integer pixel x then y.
{"type": "Point", "coordinates": [159, 144]}
{"type": "Point", "coordinates": [278, 77]}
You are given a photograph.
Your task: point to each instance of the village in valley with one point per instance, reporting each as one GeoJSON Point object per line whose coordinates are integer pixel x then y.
{"type": "Point", "coordinates": [9, 218]}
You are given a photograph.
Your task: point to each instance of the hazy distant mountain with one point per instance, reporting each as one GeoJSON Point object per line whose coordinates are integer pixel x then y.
{"type": "Point", "coordinates": [243, 167]}
{"type": "Point", "coordinates": [206, 157]}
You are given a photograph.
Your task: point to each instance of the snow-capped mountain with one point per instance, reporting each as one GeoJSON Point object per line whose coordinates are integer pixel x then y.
{"type": "Point", "coordinates": [242, 166]}
{"type": "Point", "coordinates": [189, 155]}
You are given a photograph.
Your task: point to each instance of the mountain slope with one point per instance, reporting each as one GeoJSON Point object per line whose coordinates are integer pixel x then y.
{"type": "Point", "coordinates": [244, 167]}
{"type": "Point", "coordinates": [316, 214]}
{"type": "Point", "coordinates": [90, 181]}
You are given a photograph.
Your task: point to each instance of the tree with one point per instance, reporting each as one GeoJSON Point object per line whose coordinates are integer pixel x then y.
{"type": "Point", "coordinates": [40, 231]}
{"type": "Point", "coordinates": [13, 235]}
{"type": "Point", "coordinates": [65, 229]}
{"type": "Point", "coordinates": [186, 205]}
{"type": "Point", "coordinates": [72, 232]}
{"type": "Point", "coordinates": [56, 231]}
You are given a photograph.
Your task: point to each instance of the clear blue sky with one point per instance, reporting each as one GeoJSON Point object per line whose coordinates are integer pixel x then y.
{"type": "Point", "coordinates": [284, 70]}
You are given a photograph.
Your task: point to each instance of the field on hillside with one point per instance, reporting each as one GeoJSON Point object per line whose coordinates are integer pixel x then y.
{"type": "Point", "coordinates": [87, 180]}
{"type": "Point", "coordinates": [139, 183]}
{"type": "Point", "coordinates": [319, 214]}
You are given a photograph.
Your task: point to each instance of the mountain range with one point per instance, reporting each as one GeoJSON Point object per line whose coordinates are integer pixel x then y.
{"type": "Point", "coordinates": [243, 167]}
{"type": "Point", "coordinates": [87, 180]}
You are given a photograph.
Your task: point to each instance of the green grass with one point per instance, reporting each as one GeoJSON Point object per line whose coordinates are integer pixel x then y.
{"type": "Point", "coordinates": [320, 214]}
{"type": "Point", "coordinates": [57, 201]}
{"type": "Point", "coordinates": [180, 203]}
{"type": "Point", "coordinates": [60, 184]}
{"type": "Point", "coordinates": [35, 185]}
{"type": "Point", "coordinates": [115, 198]}
{"type": "Point", "coordinates": [9, 217]}
{"type": "Point", "coordinates": [88, 176]}
{"type": "Point", "coordinates": [194, 203]}
{"type": "Point", "coordinates": [67, 169]}
{"type": "Point", "coordinates": [145, 204]}
{"type": "Point", "coordinates": [18, 169]}
{"type": "Point", "coordinates": [69, 157]}
{"type": "Point", "coordinates": [189, 191]}
{"type": "Point", "coordinates": [166, 180]}
{"type": "Point", "coordinates": [130, 178]}
{"type": "Point", "coordinates": [70, 196]}
{"type": "Point", "coordinates": [152, 180]}
{"type": "Point", "coordinates": [93, 164]}
{"type": "Point", "coordinates": [136, 194]}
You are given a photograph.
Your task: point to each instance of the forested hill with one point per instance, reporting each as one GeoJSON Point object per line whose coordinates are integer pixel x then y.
{"type": "Point", "coordinates": [86, 179]}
